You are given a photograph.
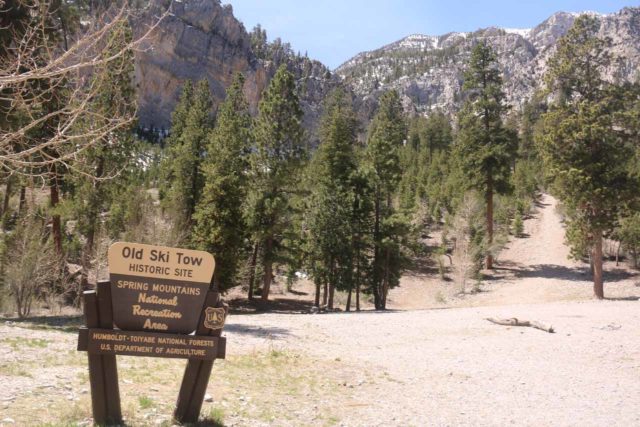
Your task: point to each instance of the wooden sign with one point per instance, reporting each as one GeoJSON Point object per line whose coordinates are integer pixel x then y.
{"type": "Point", "coordinates": [109, 341]}
{"type": "Point", "coordinates": [157, 288]}
{"type": "Point", "coordinates": [157, 297]}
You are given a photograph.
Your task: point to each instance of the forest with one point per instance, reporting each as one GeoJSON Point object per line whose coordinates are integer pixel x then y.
{"type": "Point", "coordinates": [350, 214]}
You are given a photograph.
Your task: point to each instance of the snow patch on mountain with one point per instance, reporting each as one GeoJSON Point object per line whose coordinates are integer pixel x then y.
{"type": "Point", "coordinates": [524, 32]}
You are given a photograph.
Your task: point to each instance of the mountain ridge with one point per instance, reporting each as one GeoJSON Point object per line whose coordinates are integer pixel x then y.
{"type": "Point", "coordinates": [428, 70]}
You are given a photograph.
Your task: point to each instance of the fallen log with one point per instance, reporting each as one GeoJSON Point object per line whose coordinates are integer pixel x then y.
{"type": "Point", "coordinates": [516, 322]}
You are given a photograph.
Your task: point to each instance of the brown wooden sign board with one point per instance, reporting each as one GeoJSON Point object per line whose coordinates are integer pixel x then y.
{"type": "Point", "coordinates": [157, 297]}
{"type": "Point", "coordinates": [128, 343]}
{"type": "Point", "coordinates": [156, 288]}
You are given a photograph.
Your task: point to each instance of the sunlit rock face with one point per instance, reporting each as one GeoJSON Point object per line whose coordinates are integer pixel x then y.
{"type": "Point", "coordinates": [199, 39]}
{"type": "Point", "coordinates": [428, 70]}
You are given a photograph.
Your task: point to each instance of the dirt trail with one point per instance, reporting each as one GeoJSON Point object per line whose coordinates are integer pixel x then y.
{"type": "Point", "coordinates": [534, 268]}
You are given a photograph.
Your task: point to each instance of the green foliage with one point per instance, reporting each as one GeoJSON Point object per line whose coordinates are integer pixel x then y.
{"type": "Point", "coordinates": [518, 224]}
{"type": "Point", "coordinates": [628, 233]}
{"type": "Point", "coordinates": [275, 166]}
{"type": "Point", "coordinates": [219, 224]}
{"type": "Point", "coordinates": [584, 137]}
{"type": "Point", "coordinates": [485, 148]}
{"type": "Point", "coordinates": [30, 265]}
{"type": "Point", "coordinates": [331, 211]}
{"type": "Point", "coordinates": [111, 155]}
{"type": "Point", "coordinates": [387, 133]}
{"type": "Point", "coordinates": [190, 129]}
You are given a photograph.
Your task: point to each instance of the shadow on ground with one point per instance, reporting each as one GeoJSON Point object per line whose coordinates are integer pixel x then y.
{"type": "Point", "coordinates": [67, 323]}
{"type": "Point", "coordinates": [257, 331]}
{"type": "Point", "coordinates": [283, 305]}
{"type": "Point", "coordinates": [554, 271]}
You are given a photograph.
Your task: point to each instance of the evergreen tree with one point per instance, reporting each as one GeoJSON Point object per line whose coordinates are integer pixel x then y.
{"type": "Point", "coordinates": [275, 165]}
{"type": "Point", "coordinates": [219, 225]}
{"type": "Point", "coordinates": [108, 157]}
{"type": "Point", "coordinates": [190, 131]}
{"type": "Point", "coordinates": [387, 133]}
{"type": "Point", "coordinates": [330, 217]}
{"type": "Point", "coordinates": [584, 141]}
{"type": "Point", "coordinates": [485, 149]}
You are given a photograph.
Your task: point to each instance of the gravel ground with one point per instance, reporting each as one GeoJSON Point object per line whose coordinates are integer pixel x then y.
{"type": "Point", "coordinates": [445, 366]}
{"type": "Point", "coordinates": [452, 367]}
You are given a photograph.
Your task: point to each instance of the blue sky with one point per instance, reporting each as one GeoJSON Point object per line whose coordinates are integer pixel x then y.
{"type": "Point", "coordinates": [332, 31]}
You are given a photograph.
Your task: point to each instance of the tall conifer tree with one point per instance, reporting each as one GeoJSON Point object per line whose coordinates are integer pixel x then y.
{"type": "Point", "coordinates": [332, 200]}
{"type": "Point", "coordinates": [485, 147]}
{"type": "Point", "coordinates": [219, 225]}
{"type": "Point", "coordinates": [275, 164]}
{"type": "Point", "coordinates": [387, 133]}
{"type": "Point", "coordinates": [584, 141]}
{"type": "Point", "coordinates": [190, 130]}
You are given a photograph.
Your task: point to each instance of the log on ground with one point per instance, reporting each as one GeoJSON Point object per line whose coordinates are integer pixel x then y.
{"type": "Point", "coordinates": [526, 323]}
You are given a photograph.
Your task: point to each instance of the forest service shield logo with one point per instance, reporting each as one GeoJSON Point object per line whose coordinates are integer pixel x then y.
{"type": "Point", "coordinates": [214, 318]}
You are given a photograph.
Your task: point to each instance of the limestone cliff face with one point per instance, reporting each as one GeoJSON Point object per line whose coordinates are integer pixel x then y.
{"type": "Point", "coordinates": [197, 39]}
{"type": "Point", "coordinates": [202, 39]}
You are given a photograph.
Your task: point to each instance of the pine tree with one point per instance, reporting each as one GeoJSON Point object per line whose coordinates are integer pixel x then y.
{"type": "Point", "coordinates": [185, 148]}
{"type": "Point", "coordinates": [484, 147]}
{"type": "Point", "coordinates": [219, 224]}
{"type": "Point", "coordinates": [387, 133]}
{"type": "Point", "coordinates": [275, 165]}
{"type": "Point", "coordinates": [331, 240]}
{"type": "Point", "coordinates": [108, 157]}
{"type": "Point", "coordinates": [584, 141]}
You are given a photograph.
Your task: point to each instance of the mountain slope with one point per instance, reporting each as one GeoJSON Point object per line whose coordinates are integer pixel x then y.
{"type": "Point", "coordinates": [428, 70]}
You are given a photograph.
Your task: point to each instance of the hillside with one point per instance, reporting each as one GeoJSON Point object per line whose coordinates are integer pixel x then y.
{"type": "Point", "coordinates": [428, 70]}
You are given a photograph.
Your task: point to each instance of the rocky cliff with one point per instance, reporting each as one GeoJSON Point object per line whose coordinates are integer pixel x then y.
{"type": "Point", "coordinates": [202, 39]}
{"type": "Point", "coordinates": [428, 70]}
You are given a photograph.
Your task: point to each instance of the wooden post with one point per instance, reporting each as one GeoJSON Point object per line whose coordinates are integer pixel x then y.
{"type": "Point", "coordinates": [96, 371]}
{"type": "Point", "coordinates": [196, 375]}
{"type": "Point", "coordinates": [112, 391]}
{"type": "Point", "coordinates": [103, 371]}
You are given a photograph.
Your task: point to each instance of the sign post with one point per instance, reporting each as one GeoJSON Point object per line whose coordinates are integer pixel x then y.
{"type": "Point", "coordinates": [155, 299]}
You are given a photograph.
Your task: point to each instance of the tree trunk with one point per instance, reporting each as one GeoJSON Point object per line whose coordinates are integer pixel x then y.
{"type": "Point", "coordinates": [489, 197]}
{"type": "Point", "coordinates": [618, 254]}
{"type": "Point", "coordinates": [598, 285]}
{"type": "Point", "coordinates": [376, 255]}
{"type": "Point", "coordinates": [348, 306]}
{"type": "Point", "coordinates": [22, 205]}
{"type": "Point", "coordinates": [7, 196]}
{"type": "Point", "coordinates": [332, 290]}
{"type": "Point", "coordinates": [332, 286]}
{"type": "Point", "coordinates": [56, 224]}
{"type": "Point", "coordinates": [325, 293]}
{"type": "Point", "coordinates": [358, 279]}
{"type": "Point", "coordinates": [252, 270]}
{"type": "Point", "coordinates": [316, 302]}
{"type": "Point", "coordinates": [93, 210]}
{"type": "Point", "coordinates": [385, 285]}
{"type": "Point", "coordinates": [268, 269]}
